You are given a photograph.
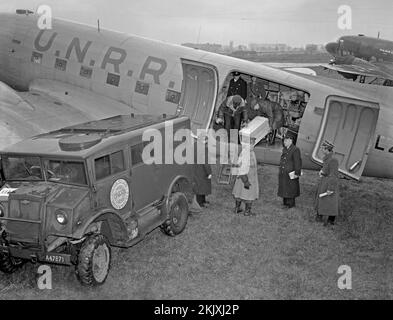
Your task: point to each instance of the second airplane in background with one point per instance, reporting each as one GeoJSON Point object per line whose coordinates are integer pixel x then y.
{"type": "Point", "coordinates": [355, 56]}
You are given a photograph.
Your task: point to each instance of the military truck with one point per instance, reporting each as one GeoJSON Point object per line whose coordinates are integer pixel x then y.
{"type": "Point", "coordinates": [71, 194]}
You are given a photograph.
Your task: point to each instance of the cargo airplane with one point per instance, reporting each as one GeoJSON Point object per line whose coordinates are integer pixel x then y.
{"type": "Point", "coordinates": [74, 73]}
{"type": "Point", "coordinates": [355, 56]}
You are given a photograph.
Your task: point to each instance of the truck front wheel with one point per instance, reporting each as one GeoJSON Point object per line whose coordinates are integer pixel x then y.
{"type": "Point", "coordinates": [178, 215]}
{"type": "Point", "coordinates": [9, 264]}
{"type": "Point", "coordinates": [94, 261]}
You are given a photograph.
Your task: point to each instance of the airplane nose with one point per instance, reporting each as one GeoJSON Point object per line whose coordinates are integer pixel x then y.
{"type": "Point", "coordinates": [332, 47]}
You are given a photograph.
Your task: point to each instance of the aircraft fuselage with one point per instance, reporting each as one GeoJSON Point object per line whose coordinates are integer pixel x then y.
{"type": "Point", "coordinates": [75, 61]}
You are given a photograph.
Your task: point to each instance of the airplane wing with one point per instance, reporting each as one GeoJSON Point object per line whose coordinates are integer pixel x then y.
{"type": "Point", "coordinates": [48, 106]}
{"type": "Point", "coordinates": [358, 67]}
{"type": "Point", "coordinates": [362, 70]}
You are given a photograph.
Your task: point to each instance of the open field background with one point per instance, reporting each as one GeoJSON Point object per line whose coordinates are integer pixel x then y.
{"type": "Point", "coordinates": [275, 255]}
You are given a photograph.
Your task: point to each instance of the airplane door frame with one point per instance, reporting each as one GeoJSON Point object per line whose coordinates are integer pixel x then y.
{"type": "Point", "coordinates": [345, 124]}
{"type": "Point", "coordinates": [212, 101]}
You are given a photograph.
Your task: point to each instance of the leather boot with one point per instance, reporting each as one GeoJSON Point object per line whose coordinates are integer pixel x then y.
{"type": "Point", "coordinates": [238, 205]}
{"type": "Point", "coordinates": [248, 210]}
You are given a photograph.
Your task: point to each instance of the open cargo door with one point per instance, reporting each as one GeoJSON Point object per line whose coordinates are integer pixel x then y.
{"type": "Point", "coordinates": [199, 93]}
{"type": "Point", "coordinates": [350, 125]}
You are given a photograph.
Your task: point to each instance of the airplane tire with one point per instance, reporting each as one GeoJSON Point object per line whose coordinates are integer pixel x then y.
{"type": "Point", "coordinates": [178, 215]}
{"type": "Point", "coordinates": [94, 261]}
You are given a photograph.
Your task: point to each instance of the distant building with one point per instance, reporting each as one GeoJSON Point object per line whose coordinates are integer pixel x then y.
{"type": "Point", "coordinates": [268, 47]}
{"type": "Point", "coordinates": [241, 47]}
{"type": "Point", "coordinates": [244, 53]}
{"type": "Point", "coordinates": [211, 47]}
{"type": "Point", "coordinates": [311, 48]}
{"type": "Point", "coordinates": [315, 48]}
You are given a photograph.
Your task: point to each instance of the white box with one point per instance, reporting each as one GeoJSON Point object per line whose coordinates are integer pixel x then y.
{"type": "Point", "coordinates": [4, 193]}
{"type": "Point", "coordinates": [257, 128]}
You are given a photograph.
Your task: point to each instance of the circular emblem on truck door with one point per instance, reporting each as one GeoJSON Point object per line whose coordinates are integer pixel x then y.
{"type": "Point", "coordinates": [119, 194]}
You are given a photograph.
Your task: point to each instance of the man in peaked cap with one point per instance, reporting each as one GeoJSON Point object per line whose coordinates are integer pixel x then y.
{"type": "Point", "coordinates": [327, 195]}
{"type": "Point", "coordinates": [289, 171]}
{"type": "Point", "coordinates": [237, 86]}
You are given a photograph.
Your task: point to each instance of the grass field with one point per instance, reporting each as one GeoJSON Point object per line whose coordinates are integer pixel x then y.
{"type": "Point", "coordinates": [275, 255]}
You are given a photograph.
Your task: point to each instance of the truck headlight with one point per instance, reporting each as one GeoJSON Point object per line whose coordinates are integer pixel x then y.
{"type": "Point", "coordinates": [61, 217]}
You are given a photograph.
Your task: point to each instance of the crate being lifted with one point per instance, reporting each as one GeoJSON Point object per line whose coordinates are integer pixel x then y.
{"type": "Point", "coordinates": [257, 128]}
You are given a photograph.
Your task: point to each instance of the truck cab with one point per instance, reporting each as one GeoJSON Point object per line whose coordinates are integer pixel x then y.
{"type": "Point", "coordinates": [71, 194]}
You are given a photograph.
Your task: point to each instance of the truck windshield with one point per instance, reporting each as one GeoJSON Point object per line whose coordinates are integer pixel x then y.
{"type": "Point", "coordinates": [22, 168]}
{"type": "Point", "coordinates": [69, 172]}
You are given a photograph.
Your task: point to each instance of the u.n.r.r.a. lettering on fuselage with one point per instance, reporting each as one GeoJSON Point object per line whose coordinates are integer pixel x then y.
{"type": "Point", "coordinates": [114, 56]}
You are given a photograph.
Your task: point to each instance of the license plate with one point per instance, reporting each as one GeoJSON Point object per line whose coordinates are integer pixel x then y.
{"type": "Point", "coordinates": [57, 258]}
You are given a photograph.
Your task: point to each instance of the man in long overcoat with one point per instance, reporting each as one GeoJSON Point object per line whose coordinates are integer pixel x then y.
{"type": "Point", "coordinates": [289, 172]}
{"type": "Point", "coordinates": [327, 195]}
{"type": "Point", "coordinates": [202, 185]}
{"type": "Point", "coordinates": [246, 187]}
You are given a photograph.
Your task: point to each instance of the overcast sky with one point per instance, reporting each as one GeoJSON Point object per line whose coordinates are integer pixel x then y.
{"type": "Point", "coordinates": [295, 22]}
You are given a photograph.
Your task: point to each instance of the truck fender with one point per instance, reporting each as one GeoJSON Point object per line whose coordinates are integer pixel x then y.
{"type": "Point", "coordinates": [180, 183]}
{"type": "Point", "coordinates": [108, 223]}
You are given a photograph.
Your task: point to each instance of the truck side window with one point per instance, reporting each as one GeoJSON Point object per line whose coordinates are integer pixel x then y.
{"type": "Point", "coordinates": [136, 153]}
{"type": "Point", "coordinates": [102, 167]}
{"type": "Point", "coordinates": [109, 164]}
{"type": "Point", "coordinates": [117, 162]}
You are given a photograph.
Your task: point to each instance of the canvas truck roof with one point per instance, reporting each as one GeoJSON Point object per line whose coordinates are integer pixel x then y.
{"type": "Point", "coordinates": [83, 140]}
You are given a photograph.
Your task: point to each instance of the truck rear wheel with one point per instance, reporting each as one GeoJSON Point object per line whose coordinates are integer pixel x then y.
{"type": "Point", "coordinates": [178, 215]}
{"type": "Point", "coordinates": [9, 264]}
{"type": "Point", "coordinates": [94, 260]}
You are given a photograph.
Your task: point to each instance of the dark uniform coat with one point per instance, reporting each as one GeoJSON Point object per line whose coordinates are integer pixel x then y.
{"type": "Point", "coordinates": [201, 183]}
{"type": "Point", "coordinates": [328, 205]}
{"type": "Point", "coordinates": [290, 161]}
{"type": "Point", "coordinates": [239, 87]}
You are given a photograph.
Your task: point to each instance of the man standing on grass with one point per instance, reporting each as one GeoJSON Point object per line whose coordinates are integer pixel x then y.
{"type": "Point", "coordinates": [289, 172]}
{"type": "Point", "coordinates": [327, 197]}
{"type": "Point", "coordinates": [246, 187]}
